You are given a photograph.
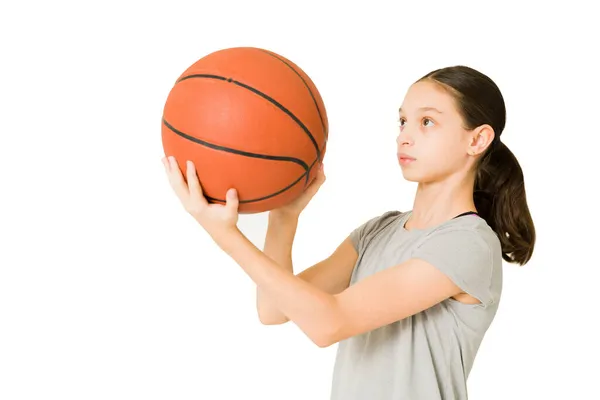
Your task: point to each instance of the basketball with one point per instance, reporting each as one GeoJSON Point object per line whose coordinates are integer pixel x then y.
{"type": "Point", "coordinates": [249, 119]}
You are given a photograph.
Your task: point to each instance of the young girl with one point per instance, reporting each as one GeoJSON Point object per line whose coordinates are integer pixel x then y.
{"type": "Point", "coordinates": [408, 295]}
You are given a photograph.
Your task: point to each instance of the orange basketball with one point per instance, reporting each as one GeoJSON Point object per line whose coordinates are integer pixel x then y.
{"type": "Point", "coordinates": [249, 119]}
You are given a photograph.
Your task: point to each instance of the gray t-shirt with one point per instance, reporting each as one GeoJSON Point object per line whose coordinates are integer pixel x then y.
{"type": "Point", "coordinates": [430, 354]}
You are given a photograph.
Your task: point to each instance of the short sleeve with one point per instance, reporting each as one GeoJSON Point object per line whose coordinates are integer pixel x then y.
{"type": "Point", "coordinates": [465, 256]}
{"type": "Point", "coordinates": [358, 234]}
{"type": "Point", "coordinates": [361, 236]}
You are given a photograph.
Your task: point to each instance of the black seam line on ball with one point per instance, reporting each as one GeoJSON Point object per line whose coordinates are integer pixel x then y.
{"type": "Point", "coordinates": [235, 151]}
{"type": "Point", "coordinates": [264, 197]}
{"type": "Point", "coordinates": [306, 174]}
{"type": "Point", "coordinates": [305, 84]}
{"type": "Point", "coordinates": [266, 97]}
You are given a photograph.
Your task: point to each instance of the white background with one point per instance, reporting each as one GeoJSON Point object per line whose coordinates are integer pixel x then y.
{"type": "Point", "coordinates": [109, 290]}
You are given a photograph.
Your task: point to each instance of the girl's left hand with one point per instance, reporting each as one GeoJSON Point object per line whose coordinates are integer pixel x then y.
{"type": "Point", "coordinates": [217, 219]}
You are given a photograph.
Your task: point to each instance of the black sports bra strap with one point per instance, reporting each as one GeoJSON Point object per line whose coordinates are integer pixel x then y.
{"type": "Point", "coordinates": [466, 213]}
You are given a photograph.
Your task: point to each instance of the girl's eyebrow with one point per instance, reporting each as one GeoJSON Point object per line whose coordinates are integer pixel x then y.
{"type": "Point", "coordinates": [425, 109]}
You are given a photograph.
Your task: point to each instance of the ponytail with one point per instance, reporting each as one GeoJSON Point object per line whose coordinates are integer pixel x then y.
{"type": "Point", "coordinates": [499, 197]}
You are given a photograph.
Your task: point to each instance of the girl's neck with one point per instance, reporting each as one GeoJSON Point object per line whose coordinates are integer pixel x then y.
{"type": "Point", "coordinates": [438, 202]}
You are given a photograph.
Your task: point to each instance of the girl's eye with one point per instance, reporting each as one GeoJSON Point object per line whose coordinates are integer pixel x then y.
{"type": "Point", "coordinates": [402, 122]}
{"type": "Point", "coordinates": [425, 120]}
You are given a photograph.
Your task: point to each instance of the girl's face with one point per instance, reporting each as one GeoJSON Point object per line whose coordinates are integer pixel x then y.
{"type": "Point", "coordinates": [432, 143]}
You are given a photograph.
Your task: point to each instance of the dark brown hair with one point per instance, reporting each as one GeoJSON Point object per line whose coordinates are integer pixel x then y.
{"type": "Point", "coordinates": [499, 192]}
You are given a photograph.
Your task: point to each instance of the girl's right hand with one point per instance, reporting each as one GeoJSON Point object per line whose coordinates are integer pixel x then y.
{"type": "Point", "coordinates": [293, 209]}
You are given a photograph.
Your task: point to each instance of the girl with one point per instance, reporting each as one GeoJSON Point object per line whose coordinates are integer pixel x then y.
{"type": "Point", "coordinates": [408, 295]}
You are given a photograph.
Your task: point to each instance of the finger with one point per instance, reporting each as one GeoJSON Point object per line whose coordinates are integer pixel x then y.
{"type": "Point", "coordinates": [314, 186]}
{"type": "Point", "coordinates": [321, 173]}
{"type": "Point", "coordinates": [232, 201]}
{"type": "Point", "coordinates": [319, 178]}
{"type": "Point", "coordinates": [195, 188]}
{"type": "Point", "coordinates": [176, 179]}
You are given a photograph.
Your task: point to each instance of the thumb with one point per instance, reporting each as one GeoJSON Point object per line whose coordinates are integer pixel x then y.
{"type": "Point", "coordinates": [231, 200]}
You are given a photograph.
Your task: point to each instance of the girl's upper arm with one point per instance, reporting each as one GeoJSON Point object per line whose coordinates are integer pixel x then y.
{"type": "Point", "coordinates": [333, 274]}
